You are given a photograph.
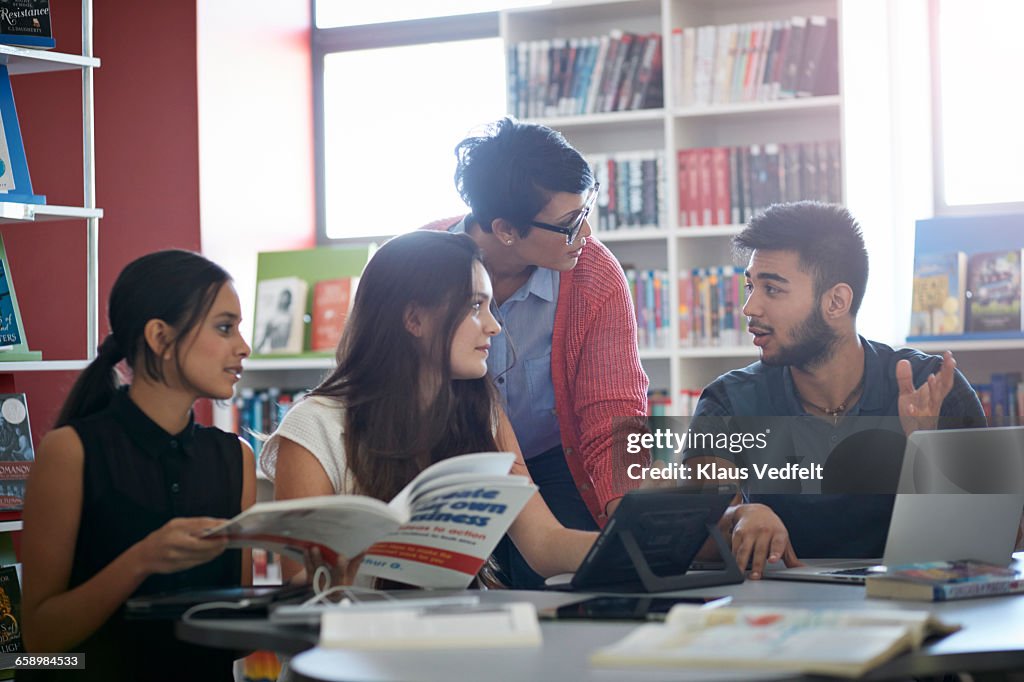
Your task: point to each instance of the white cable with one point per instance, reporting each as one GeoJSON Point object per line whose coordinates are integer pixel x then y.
{"type": "Point", "coordinates": [208, 606]}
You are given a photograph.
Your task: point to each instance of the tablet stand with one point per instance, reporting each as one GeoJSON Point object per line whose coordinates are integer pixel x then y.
{"type": "Point", "coordinates": [728, 575]}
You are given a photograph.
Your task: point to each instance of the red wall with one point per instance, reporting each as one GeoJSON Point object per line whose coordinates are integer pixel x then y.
{"type": "Point", "coordinates": [147, 171]}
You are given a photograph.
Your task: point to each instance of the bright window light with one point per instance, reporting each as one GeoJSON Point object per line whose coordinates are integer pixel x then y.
{"type": "Point", "coordinates": [392, 118]}
{"type": "Point", "coordinates": [981, 100]}
{"type": "Point", "coordinates": [333, 13]}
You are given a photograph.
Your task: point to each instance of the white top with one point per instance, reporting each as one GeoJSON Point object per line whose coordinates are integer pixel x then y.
{"type": "Point", "coordinates": [317, 424]}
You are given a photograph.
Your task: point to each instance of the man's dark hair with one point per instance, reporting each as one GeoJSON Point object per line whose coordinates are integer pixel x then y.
{"type": "Point", "coordinates": [826, 237]}
{"type": "Point", "coordinates": [512, 170]}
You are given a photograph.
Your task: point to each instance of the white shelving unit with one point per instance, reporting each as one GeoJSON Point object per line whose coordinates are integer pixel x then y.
{"type": "Point", "coordinates": [673, 247]}
{"type": "Point", "coordinates": [21, 61]}
{"type": "Point", "coordinates": [671, 128]}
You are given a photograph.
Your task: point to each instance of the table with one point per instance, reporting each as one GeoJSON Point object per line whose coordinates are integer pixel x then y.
{"type": "Point", "coordinates": [992, 640]}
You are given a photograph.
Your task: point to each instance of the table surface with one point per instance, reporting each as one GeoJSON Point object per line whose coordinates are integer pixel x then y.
{"type": "Point", "coordinates": [992, 638]}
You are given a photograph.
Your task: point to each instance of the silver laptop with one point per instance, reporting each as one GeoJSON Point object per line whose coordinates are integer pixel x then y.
{"type": "Point", "coordinates": [960, 496]}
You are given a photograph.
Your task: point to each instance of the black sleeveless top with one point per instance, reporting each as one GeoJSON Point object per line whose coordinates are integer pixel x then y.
{"type": "Point", "coordinates": [136, 478]}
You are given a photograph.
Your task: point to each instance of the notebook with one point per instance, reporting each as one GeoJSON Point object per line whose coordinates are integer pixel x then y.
{"type": "Point", "coordinates": [960, 494]}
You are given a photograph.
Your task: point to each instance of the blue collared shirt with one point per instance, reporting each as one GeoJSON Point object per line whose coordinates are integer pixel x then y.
{"type": "Point", "coordinates": [520, 360]}
{"type": "Point", "coordinates": [834, 525]}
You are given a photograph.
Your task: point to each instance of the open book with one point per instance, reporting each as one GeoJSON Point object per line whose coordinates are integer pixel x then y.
{"type": "Point", "coordinates": [825, 642]}
{"type": "Point", "coordinates": [436, 532]}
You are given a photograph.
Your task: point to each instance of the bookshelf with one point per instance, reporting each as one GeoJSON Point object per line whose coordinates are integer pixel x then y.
{"type": "Point", "coordinates": [679, 124]}
{"type": "Point", "coordinates": [21, 62]}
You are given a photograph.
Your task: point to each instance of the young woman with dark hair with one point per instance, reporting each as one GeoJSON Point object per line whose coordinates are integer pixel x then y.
{"type": "Point", "coordinates": [410, 389]}
{"type": "Point", "coordinates": [122, 488]}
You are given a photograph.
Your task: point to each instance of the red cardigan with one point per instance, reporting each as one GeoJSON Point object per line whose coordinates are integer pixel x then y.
{"type": "Point", "coordinates": [600, 386]}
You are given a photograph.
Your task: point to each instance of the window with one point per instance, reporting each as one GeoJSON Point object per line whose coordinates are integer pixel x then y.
{"type": "Point", "coordinates": [331, 13]}
{"type": "Point", "coordinates": [391, 101]}
{"type": "Point", "coordinates": [979, 143]}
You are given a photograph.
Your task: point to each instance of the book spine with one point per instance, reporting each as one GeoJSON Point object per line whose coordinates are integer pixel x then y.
{"type": "Point", "coordinates": [967, 590]}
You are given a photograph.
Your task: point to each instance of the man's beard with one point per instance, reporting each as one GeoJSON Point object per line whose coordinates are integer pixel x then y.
{"type": "Point", "coordinates": [813, 344]}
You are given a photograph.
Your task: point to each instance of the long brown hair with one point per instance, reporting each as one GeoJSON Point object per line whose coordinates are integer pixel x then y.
{"type": "Point", "coordinates": [389, 435]}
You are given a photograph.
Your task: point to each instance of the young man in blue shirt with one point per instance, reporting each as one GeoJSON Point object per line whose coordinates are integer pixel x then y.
{"type": "Point", "coordinates": [805, 278]}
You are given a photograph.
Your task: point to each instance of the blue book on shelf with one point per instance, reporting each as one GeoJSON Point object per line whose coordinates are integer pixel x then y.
{"type": "Point", "coordinates": [15, 183]}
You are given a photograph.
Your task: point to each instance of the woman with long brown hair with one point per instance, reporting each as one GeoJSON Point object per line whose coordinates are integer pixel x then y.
{"type": "Point", "coordinates": [410, 389]}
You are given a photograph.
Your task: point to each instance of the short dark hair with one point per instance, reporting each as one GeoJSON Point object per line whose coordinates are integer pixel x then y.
{"type": "Point", "coordinates": [826, 237]}
{"type": "Point", "coordinates": [513, 168]}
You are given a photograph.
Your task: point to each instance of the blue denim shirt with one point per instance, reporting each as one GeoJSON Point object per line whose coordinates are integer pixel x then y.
{"type": "Point", "coordinates": [836, 525]}
{"type": "Point", "coordinates": [520, 360]}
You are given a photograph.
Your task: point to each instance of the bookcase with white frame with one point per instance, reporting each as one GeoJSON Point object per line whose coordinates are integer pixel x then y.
{"type": "Point", "coordinates": [682, 124]}
{"type": "Point", "coordinates": [20, 62]}
{"type": "Point", "coordinates": [669, 245]}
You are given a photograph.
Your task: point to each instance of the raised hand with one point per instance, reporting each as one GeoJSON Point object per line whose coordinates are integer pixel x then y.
{"type": "Point", "coordinates": [919, 407]}
{"type": "Point", "coordinates": [177, 545]}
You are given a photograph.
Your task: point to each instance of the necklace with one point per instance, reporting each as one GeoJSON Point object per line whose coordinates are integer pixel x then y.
{"type": "Point", "coordinates": [840, 408]}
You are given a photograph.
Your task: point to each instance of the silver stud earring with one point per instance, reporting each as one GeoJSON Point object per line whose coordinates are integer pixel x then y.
{"type": "Point", "coordinates": [509, 242]}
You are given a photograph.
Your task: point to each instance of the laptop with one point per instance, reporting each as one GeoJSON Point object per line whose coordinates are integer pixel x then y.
{"type": "Point", "coordinates": [960, 496]}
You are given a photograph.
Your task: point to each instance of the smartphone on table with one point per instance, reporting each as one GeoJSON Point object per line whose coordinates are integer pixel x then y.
{"type": "Point", "coordinates": [630, 608]}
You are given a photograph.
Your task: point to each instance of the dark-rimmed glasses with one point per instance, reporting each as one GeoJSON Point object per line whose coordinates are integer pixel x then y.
{"type": "Point", "coordinates": [572, 231]}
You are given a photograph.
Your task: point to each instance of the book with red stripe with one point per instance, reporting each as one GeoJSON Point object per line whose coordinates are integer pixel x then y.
{"type": "Point", "coordinates": [437, 532]}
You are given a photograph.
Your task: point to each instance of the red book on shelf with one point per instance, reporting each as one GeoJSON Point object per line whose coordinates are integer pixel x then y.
{"type": "Point", "coordinates": [721, 208]}
{"type": "Point", "coordinates": [706, 197]}
{"type": "Point", "coordinates": [332, 299]}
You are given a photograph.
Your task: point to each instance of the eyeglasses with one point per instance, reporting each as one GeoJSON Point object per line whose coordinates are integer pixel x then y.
{"type": "Point", "coordinates": [572, 231]}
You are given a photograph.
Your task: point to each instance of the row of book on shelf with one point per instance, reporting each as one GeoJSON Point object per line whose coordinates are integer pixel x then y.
{"type": "Point", "coordinates": [620, 71]}
{"type": "Point", "coordinates": [756, 61]}
{"type": "Point", "coordinates": [1002, 398]}
{"type": "Point", "coordinates": [728, 185]}
{"type": "Point", "coordinates": [632, 193]}
{"type": "Point", "coordinates": [710, 308]}
{"type": "Point", "coordinates": [279, 325]}
{"type": "Point", "coordinates": [255, 414]}
{"type": "Point", "coordinates": [956, 293]}
{"type": "Point", "coordinates": [650, 292]}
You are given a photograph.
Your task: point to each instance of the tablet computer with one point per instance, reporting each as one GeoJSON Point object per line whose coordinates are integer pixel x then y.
{"type": "Point", "coordinates": [650, 541]}
{"type": "Point", "coordinates": [171, 605]}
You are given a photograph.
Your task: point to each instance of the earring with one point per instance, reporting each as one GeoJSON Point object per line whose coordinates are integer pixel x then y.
{"type": "Point", "coordinates": [509, 242]}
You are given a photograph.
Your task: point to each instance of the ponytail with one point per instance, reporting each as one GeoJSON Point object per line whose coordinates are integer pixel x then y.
{"type": "Point", "coordinates": [95, 386]}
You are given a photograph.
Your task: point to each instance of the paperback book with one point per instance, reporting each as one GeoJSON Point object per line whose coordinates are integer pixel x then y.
{"type": "Point", "coordinates": [332, 301]}
{"type": "Point", "coordinates": [994, 292]}
{"type": "Point", "coordinates": [945, 581]}
{"type": "Point", "coordinates": [940, 283]}
{"type": "Point", "coordinates": [817, 642]}
{"type": "Point", "coordinates": [26, 23]}
{"type": "Point", "coordinates": [279, 325]}
{"type": "Point", "coordinates": [10, 611]}
{"type": "Point", "coordinates": [10, 329]}
{"type": "Point", "coordinates": [436, 532]}
{"type": "Point", "coordinates": [16, 451]}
